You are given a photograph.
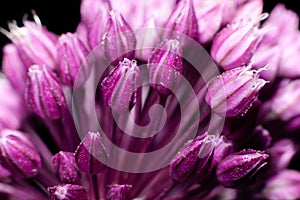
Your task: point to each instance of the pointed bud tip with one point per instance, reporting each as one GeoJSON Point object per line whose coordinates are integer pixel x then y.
{"type": "Point", "coordinates": [91, 154]}
{"type": "Point", "coordinates": [120, 87]}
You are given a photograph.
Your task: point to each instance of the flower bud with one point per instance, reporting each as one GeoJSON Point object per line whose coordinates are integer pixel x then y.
{"type": "Point", "coordinates": [18, 154]}
{"type": "Point", "coordinates": [183, 20]}
{"type": "Point", "coordinates": [267, 56]}
{"type": "Point", "coordinates": [119, 40]}
{"type": "Point", "coordinates": [193, 160]}
{"type": "Point", "coordinates": [97, 29]}
{"type": "Point", "coordinates": [239, 168]}
{"type": "Point", "coordinates": [232, 93]}
{"type": "Point", "coordinates": [89, 152]}
{"type": "Point", "coordinates": [285, 185]}
{"type": "Point", "coordinates": [35, 44]}
{"type": "Point", "coordinates": [11, 106]}
{"type": "Point", "coordinates": [44, 93]}
{"type": "Point", "coordinates": [68, 192]}
{"type": "Point", "coordinates": [288, 65]}
{"type": "Point", "coordinates": [260, 138]}
{"type": "Point", "coordinates": [281, 24]}
{"type": "Point", "coordinates": [209, 18]}
{"type": "Point", "coordinates": [284, 103]}
{"type": "Point", "coordinates": [234, 45]}
{"type": "Point", "coordinates": [165, 66]}
{"type": "Point", "coordinates": [250, 10]}
{"type": "Point", "coordinates": [13, 67]}
{"type": "Point", "coordinates": [119, 88]}
{"type": "Point", "coordinates": [211, 15]}
{"type": "Point", "coordinates": [229, 9]}
{"type": "Point", "coordinates": [118, 192]}
{"type": "Point", "coordinates": [82, 32]}
{"type": "Point", "coordinates": [71, 55]}
{"type": "Point", "coordinates": [66, 168]}
{"type": "Point", "coordinates": [222, 149]}
{"type": "Point", "coordinates": [91, 10]}
{"type": "Point", "coordinates": [144, 10]}
{"type": "Point", "coordinates": [281, 154]}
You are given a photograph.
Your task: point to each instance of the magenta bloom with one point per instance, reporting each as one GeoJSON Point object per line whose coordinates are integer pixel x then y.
{"type": "Point", "coordinates": [153, 100]}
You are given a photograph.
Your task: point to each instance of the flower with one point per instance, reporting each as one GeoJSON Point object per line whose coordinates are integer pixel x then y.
{"type": "Point", "coordinates": [131, 106]}
{"type": "Point", "coordinates": [240, 167]}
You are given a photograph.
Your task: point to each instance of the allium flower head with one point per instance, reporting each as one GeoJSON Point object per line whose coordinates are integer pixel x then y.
{"type": "Point", "coordinates": [153, 100]}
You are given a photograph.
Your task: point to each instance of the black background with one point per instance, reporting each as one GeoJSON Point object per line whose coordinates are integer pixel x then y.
{"type": "Point", "coordinates": [64, 15]}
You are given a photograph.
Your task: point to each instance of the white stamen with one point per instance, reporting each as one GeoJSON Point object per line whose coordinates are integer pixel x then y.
{"type": "Point", "coordinates": [36, 18]}
{"type": "Point", "coordinates": [6, 33]}
{"type": "Point", "coordinates": [25, 17]}
{"type": "Point", "coordinates": [263, 16]}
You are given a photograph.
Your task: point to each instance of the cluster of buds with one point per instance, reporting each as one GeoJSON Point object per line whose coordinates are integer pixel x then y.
{"type": "Point", "coordinates": [243, 142]}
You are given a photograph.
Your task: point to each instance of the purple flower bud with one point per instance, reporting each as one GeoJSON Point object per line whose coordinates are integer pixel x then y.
{"type": "Point", "coordinates": [222, 149]}
{"type": "Point", "coordinates": [232, 93]}
{"type": "Point", "coordinates": [183, 20]}
{"type": "Point", "coordinates": [68, 192]}
{"type": "Point", "coordinates": [229, 9]}
{"type": "Point", "coordinates": [35, 44]}
{"type": "Point", "coordinates": [89, 151]}
{"type": "Point", "coordinates": [289, 93]}
{"type": "Point", "coordinates": [234, 45]}
{"type": "Point", "coordinates": [11, 106]}
{"type": "Point", "coordinates": [281, 154]}
{"type": "Point", "coordinates": [288, 65]}
{"type": "Point", "coordinates": [138, 12]}
{"type": "Point", "coordinates": [281, 24]}
{"type": "Point", "coordinates": [118, 192]}
{"type": "Point", "coordinates": [119, 88]}
{"type": "Point", "coordinates": [284, 185]}
{"type": "Point", "coordinates": [71, 55]}
{"type": "Point", "coordinates": [239, 168]}
{"type": "Point", "coordinates": [267, 56]}
{"type": "Point", "coordinates": [194, 159]}
{"type": "Point", "coordinates": [260, 138]}
{"type": "Point", "coordinates": [11, 64]}
{"type": "Point", "coordinates": [18, 154]}
{"type": "Point", "coordinates": [119, 39]}
{"type": "Point", "coordinates": [165, 66]}
{"type": "Point", "coordinates": [91, 10]}
{"type": "Point", "coordinates": [250, 10]}
{"type": "Point", "coordinates": [44, 93]}
{"type": "Point", "coordinates": [209, 21]}
{"type": "Point", "coordinates": [82, 32]}
{"type": "Point", "coordinates": [97, 29]}
{"type": "Point", "coordinates": [210, 16]}
{"type": "Point", "coordinates": [66, 167]}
